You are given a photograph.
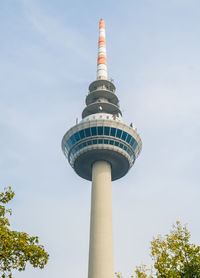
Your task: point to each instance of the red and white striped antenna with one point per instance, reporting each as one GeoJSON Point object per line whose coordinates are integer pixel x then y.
{"type": "Point", "coordinates": [101, 61]}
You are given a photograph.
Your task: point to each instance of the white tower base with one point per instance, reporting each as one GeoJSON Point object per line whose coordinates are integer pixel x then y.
{"type": "Point", "coordinates": [101, 240]}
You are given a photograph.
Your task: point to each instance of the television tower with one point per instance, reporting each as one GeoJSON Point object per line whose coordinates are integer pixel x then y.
{"type": "Point", "coordinates": [101, 149]}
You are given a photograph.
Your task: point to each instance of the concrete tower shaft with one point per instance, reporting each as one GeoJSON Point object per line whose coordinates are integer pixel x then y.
{"type": "Point", "coordinates": [101, 241]}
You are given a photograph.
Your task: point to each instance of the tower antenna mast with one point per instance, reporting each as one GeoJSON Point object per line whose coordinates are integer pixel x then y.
{"type": "Point", "coordinates": [101, 61]}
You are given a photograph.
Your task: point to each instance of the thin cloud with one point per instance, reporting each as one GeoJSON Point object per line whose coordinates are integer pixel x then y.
{"type": "Point", "coordinates": [55, 33]}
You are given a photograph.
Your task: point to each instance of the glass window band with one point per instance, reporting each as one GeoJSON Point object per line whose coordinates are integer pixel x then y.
{"type": "Point", "coordinates": [99, 131]}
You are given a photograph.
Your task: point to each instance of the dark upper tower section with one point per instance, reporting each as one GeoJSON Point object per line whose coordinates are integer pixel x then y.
{"type": "Point", "coordinates": [101, 99]}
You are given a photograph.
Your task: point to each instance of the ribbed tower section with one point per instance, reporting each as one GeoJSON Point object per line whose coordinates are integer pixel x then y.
{"type": "Point", "coordinates": [101, 149]}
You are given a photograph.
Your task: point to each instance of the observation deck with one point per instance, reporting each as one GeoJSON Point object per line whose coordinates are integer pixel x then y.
{"type": "Point", "coordinates": [101, 135]}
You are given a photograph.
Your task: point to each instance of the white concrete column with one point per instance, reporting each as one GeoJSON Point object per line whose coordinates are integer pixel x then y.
{"type": "Point", "coordinates": [101, 239]}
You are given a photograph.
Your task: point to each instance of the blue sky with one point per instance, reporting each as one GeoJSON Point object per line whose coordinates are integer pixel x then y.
{"type": "Point", "coordinates": [47, 61]}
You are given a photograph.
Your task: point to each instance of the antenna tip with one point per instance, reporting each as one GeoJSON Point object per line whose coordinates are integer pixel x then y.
{"type": "Point", "coordinates": [101, 24]}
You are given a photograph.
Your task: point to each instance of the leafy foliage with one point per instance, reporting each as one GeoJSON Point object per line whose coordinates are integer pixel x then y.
{"type": "Point", "coordinates": [141, 272]}
{"type": "Point", "coordinates": [17, 248]}
{"type": "Point", "coordinates": [173, 255]}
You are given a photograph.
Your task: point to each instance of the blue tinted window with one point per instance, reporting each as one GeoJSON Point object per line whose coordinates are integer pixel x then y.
{"type": "Point", "coordinates": [121, 146]}
{"type": "Point", "coordinates": [72, 139]}
{"type": "Point", "coordinates": [124, 134]}
{"type": "Point", "coordinates": [119, 133]}
{"type": "Point", "coordinates": [111, 142]}
{"type": "Point", "coordinates": [76, 135]}
{"type": "Point", "coordinates": [84, 144]}
{"type": "Point", "coordinates": [87, 132]}
{"type": "Point", "coordinates": [135, 145]}
{"type": "Point", "coordinates": [80, 146]}
{"type": "Point", "coordinates": [125, 148]}
{"type": "Point", "coordinates": [100, 141]}
{"type": "Point", "coordinates": [89, 143]}
{"type": "Point", "coordinates": [105, 141]}
{"type": "Point", "coordinates": [116, 143]}
{"type": "Point", "coordinates": [69, 143]}
{"type": "Point", "coordinates": [112, 132]}
{"type": "Point", "coordinates": [67, 146]}
{"type": "Point", "coordinates": [94, 141]}
{"type": "Point", "coordinates": [94, 131]}
{"type": "Point", "coordinates": [73, 151]}
{"type": "Point", "coordinates": [106, 130]}
{"type": "Point", "coordinates": [82, 134]}
{"type": "Point", "coordinates": [132, 141]}
{"type": "Point", "coordinates": [100, 130]}
{"type": "Point", "coordinates": [128, 138]}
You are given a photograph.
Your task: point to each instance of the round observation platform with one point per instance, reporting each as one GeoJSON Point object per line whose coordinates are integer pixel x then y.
{"type": "Point", "coordinates": [101, 106]}
{"type": "Point", "coordinates": [100, 137]}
